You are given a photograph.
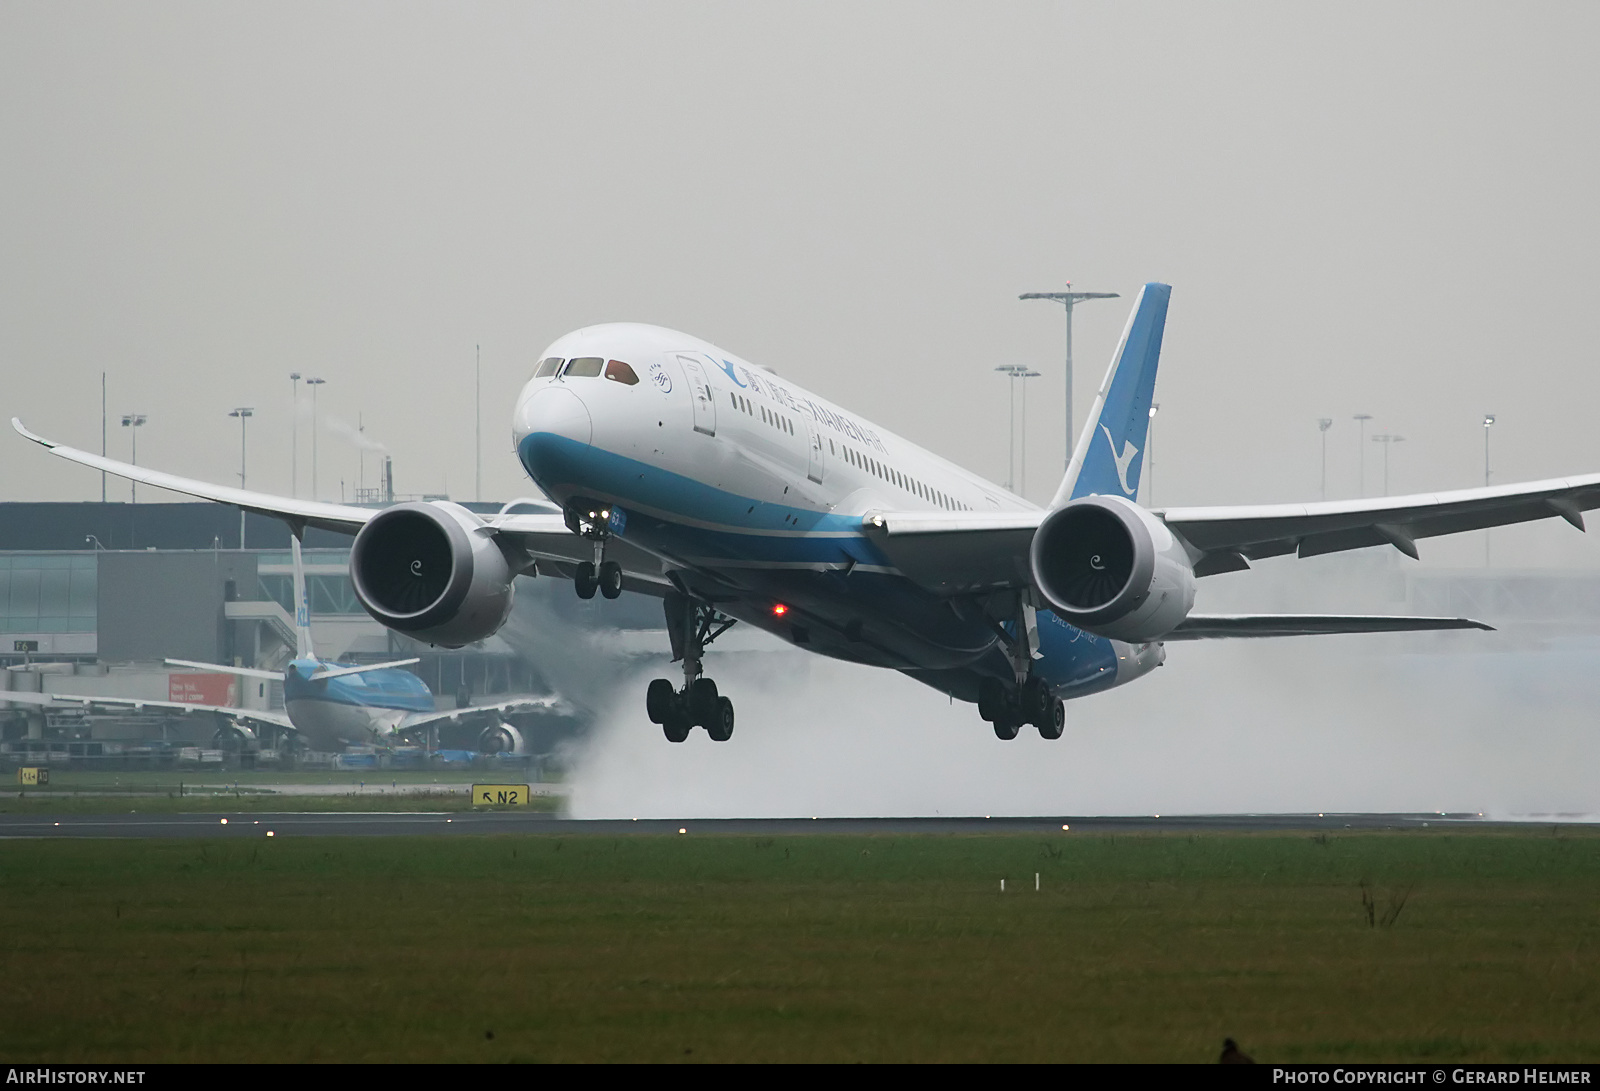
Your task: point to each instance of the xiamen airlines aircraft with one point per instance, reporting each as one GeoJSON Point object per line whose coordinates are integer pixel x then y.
{"type": "Point", "coordinates": [682, 471]}
{"type": "Point", "coordinates": [330, 705]}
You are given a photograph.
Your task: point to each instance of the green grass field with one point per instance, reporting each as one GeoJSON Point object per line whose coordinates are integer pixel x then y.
{"type": "Point", "coordinates": [1427, 946]}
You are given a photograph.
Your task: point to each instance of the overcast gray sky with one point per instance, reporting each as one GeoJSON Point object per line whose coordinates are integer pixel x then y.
{"type": "Point", "coordinates": [1370, 208]}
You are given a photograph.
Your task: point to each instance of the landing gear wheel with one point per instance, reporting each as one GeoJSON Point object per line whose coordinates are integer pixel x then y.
{"type": "Point", "coordinates": [703, 702]}
{"type": "Point", "coordinates": [1006, 728]}
{"type": "Point", "coordinates": [610, 578]}
{"type": "Point", "coordinates": [1057, 722]}
{"type": "Point", "coordinates": [659, 700]}
{"type": "Point", "coordinates": [677, 727]}
{"type": "Point", "coordinates": [1037, 703]}
{"type": "Point", "coordinates": [585, 580]}
{"type": "Point", "coordinates": [991, 699]}
{"type": "Point", "coordinates": [721, 728]}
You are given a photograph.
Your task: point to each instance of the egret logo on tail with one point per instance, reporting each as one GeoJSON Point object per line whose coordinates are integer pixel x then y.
{"type": "Point", "coordinates": [1124, 460]}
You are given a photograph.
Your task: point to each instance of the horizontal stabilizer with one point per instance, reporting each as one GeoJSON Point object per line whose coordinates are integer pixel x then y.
{"type": "Point", "coordinates": [248, 672]}
{"type": "Point", "coordinates": [340, 672]}
{"type": "Point", "coordinates": [1224, 626]}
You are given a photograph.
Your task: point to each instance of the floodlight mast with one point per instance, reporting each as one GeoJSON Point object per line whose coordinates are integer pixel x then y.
{"type": "Point", "coordinates": [1069, 299]}
{"type": "Point", "coordinates": [1017, 371]}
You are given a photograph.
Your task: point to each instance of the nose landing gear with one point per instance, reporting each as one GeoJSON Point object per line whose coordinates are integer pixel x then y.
{"type": "Point", "coordinates": [691, 626]}
{"type": "Point", "coordinates": [593, 521]}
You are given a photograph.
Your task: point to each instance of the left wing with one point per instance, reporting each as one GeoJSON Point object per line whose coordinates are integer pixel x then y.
{"type": "Point", "coordinates": [517, 704]}
{"type": "Point", "coordinates": [1222, 626]}
{"type": "Point", "coordinates": [72, 700]}
{"type": "Point", "coordinates": [964, 552]}
{"type": "Point", "coordinates": [1226, 539]}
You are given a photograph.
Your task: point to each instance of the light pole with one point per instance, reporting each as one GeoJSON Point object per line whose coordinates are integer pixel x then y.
{"type": "Point", "coordinates": [1361, 449]}
{"type": "Point", "coordinates": [1387, 439]}
{"type": "Point", "coordinates": [313, 384]}
{"type": "Point", "coordinates": [1150, 457]}
{"type": "Point", "coordinates": [244, 413]}
{"type": "Point", "coordinates": [294, 448]}
{"type": "Point", "coordinates": [1013, 372]}
{"type": "Point", "coordinates": [1323, 424]}
{"type": "Point", "coordinates": [1069, 299]}
{"type": "Point", "coordinates": [477, 417]}
{"type": "Point", "coordinates": [1488, 423]}
{"type": "Point", "coordinates": [134, 421]}
{"type": "Point", "coordinates": [1022, 451]}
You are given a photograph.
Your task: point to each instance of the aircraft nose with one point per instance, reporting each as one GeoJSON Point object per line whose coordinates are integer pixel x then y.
{"type": "Point", "coordinates": [555, 411]}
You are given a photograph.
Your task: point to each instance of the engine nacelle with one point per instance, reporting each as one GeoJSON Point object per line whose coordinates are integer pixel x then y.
{"type": "Point", "coordinates": [428, 571]}
{"type": "Point", "coordinates": [1109, 567]}
{"type": "Point", "coordinates": [501, 738]}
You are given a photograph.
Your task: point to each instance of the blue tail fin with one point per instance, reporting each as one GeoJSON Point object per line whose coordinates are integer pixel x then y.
{"type": "Point", "coordinates": [1110, 453]}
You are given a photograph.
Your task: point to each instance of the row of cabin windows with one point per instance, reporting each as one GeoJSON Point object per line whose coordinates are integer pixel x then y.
{"type": "Point", "coordinates": [898, 479]}
{"type": "Point", "coordinates": [743, 405]}
{"type": "Point", "coordinates": [587, 367]}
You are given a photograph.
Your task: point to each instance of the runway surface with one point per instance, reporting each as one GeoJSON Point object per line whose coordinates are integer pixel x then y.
{"type": "Point", "coordinates": [501, 822]}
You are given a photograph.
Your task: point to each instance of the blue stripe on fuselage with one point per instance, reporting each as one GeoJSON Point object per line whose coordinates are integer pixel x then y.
{"type": "Point", "coordinates": [727, 526]}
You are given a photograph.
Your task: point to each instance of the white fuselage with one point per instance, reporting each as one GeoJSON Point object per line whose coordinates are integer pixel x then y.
{"type": "Point", "coordinates": [754, 490]}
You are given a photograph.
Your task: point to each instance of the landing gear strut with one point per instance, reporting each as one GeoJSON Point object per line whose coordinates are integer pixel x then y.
{"type": "Point", "coordinates": [592, 521]}
{"type": "Point", "coordinates": [691, 626]}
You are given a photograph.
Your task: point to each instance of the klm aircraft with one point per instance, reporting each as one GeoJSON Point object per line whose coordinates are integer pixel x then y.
{"type": "Point", "coordinates": [735, 496]}
{"type": "Point", "coordinates": [332, 705]}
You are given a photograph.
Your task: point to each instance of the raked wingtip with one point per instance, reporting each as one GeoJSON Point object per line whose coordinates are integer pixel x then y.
{"type": "Point", "coordinates": [22, 430]}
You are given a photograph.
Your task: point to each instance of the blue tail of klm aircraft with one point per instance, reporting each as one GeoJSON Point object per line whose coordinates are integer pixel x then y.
{"type": "Point", "coordinates": [1109, 454]}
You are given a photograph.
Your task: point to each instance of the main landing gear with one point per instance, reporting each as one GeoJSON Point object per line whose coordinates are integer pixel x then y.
{"type": "Point", "coordinates": [592, 521]}
{"type": "Point", "coordinates": [691, 626]}
{"type": "Point", "coordinates": [1030, 703]}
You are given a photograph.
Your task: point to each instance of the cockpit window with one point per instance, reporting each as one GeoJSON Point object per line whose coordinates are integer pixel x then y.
{"type": "Point", "coordinates": [548, 367]}
{"type": "Point", "coordinates": [584, 367]}
{"type": "Point", "coordinates": [619, 372]}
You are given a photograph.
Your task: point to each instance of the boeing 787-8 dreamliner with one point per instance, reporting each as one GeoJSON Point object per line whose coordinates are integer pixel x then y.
{"type": "Point", "coordinates": [684, 472]}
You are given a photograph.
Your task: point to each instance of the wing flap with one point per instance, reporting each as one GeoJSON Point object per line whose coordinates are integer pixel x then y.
{"type": "Point", "coordinates": [959, 552]}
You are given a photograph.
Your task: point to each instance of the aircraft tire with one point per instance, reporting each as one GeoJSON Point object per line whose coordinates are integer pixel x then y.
{"type": "Point", "coordinates": [1037, 703]}
{"type": "Point", "coordinates": [721, 728]}
{"type": "Point", "coordinates": [1006, 728]}
{"type": "Point", "coordinates": [610, 579]}
{"type": "Point", "coordinates": [1057, 721]}
{"type": "Point", "coordinates": [677, 727]}
{"type": "Point", "coordinates": [585, 581]}
{"type": "Point", "coordinates": [659, 700]}
{"type": "Point", "coordinates": [991, 699]}
{"type": "Point", "coordinates": [703, 702]}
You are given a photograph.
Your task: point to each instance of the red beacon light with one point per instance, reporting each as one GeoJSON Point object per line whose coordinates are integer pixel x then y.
{"type": "Point", "coordinates": [779, 609]}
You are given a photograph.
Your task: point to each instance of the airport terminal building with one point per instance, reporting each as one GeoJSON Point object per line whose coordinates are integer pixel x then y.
{"type": "Point", "coordinates": [94, 598]}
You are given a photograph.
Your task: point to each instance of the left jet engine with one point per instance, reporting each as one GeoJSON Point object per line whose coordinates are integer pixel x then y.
{"type": "Point", "coordinates": [431, 572]}
{"type": "Point", "coordinates": [501, 738]}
